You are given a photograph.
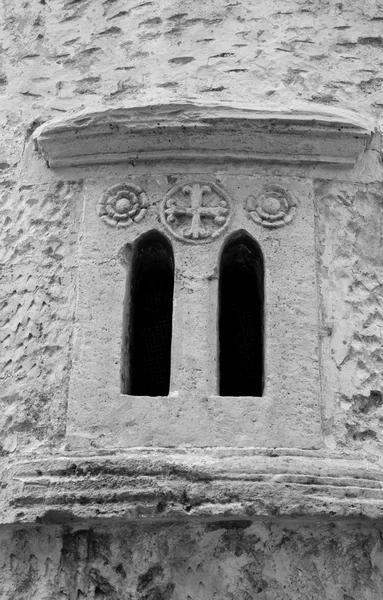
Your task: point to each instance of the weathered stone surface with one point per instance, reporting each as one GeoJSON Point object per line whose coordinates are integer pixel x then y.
{"type": "Point", "coordinates": [162, 484]}
{"type": "Point", "coordinates": [193, 131]}
{"type": "Point", "coordinates": [195, 511]}
{"type": "Point", "coordinates": [63, 55]}
{"type": "Point", "coordinates": [351, 284]}
{"type": "Point", "coordinates": [288, 414]}
{"type": "Point", "coordinates": [37, 307]}
{"type": "Point", "coordinates": [226, 559]}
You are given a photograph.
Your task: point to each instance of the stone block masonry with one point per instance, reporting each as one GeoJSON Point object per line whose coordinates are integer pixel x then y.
{"type": "Point", "coordinates": [201, 122]}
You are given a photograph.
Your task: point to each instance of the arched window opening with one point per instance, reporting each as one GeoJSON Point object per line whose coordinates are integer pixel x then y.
{"type": "Point", "coordinates": [241, 294]}
{"type": "Point", "coordinates": [150, 320]}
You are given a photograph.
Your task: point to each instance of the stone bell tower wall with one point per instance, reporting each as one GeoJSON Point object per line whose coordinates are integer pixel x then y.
{"type": "Point", "coordinates": [278, 497]}
{"type": "Point", "coordinates": [59, 57]}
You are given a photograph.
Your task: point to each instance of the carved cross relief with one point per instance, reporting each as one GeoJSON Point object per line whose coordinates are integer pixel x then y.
{"type": "Point", "coordinates": [196, 212]}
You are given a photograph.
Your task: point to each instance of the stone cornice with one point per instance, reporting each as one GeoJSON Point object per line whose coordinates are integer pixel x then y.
{"type": "Point", "coordinates": [163, 484]}
{"type": "Point", "coordinates": [185, 132]}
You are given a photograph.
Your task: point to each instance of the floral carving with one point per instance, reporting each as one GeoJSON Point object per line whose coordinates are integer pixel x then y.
{"type": "Point", "coordinates": [273, 207]}
{"type": "Point", "coordinates": [122, 204]}
{"type": "Point", "coordinates": [196, 212]}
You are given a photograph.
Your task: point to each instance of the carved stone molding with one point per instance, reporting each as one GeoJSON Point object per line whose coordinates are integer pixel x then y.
{"type": "Point", "coordinates": [196, 212]}
{"type": "Point", "coordinates": [185, 132]}
{"type": "Point", "coordinates": [273, 207]}
{"type": "Point", "coordinates": [122, 204]}
{"type": "Point", "coordinates": [162, 484]}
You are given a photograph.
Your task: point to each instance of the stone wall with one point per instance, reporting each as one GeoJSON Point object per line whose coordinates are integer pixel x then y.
{"type": "Point", "coordinates": [351, 276]}
{"type": "Point", "coordinates": [57, 57]}
{"type": "Point", "coordinates": [235, 560]}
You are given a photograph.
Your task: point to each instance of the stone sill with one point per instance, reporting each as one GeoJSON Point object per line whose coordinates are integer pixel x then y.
{"type": "Point", "coordinates": [170, 484]}
{"type": "Point", "coordinates": [190, 132]}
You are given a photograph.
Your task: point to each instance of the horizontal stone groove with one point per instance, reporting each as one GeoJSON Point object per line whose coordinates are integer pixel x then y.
{"type": "Point", "coordinates": [195, 477]}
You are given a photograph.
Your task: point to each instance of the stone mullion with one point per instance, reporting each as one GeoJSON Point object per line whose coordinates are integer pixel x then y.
{"type": "Point", "coordinates": [194, 342]}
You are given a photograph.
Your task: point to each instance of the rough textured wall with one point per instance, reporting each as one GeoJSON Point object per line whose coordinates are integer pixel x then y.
{"type": "Point", "coordinates": [57, 56]}
{"type": "Point", "coordinates": [37, 295]}
{"type": "Point", "coordinates": [350, 220]}
{"type": "Point", "coordinates": [230, 560]}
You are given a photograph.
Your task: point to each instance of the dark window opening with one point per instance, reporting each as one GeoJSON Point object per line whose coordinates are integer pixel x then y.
{"type": "Point", "coordinates": [151, 311]}
{"type": "Point", "coordinates": [241, 296]}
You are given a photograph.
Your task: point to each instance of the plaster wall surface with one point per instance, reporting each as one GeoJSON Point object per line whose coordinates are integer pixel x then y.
{"type": "Point", "coordinates": [57, 57]}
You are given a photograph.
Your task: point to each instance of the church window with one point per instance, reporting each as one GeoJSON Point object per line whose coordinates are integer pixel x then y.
{"type": "Point", "coordinates": [241, 318]}
{"type": "Point", "coordinates": [148, 331]}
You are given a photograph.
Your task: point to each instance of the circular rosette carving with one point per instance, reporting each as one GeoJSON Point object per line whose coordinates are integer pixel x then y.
{"type": "Point", "coordinates": [122, 204]}
{"type": "Point", "coordinates": [196, 212]}
{"type": "Point", "coordinates": [273, 207]}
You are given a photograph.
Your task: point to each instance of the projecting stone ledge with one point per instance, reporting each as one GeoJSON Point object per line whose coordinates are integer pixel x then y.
{"type": "Point", "coordinates": [164, 484]}
{"type": "Point", "coordinates": [185, 132]}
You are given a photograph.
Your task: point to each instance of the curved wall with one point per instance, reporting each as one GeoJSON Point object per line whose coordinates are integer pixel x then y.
{"type": "Point", "coordinates": [59, 57]}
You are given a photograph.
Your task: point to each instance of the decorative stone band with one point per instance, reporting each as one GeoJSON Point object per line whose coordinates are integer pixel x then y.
{"type": "Point", "coordinates": [185, 132]}
{"type": "Point", "coordinates": [272, 208]}
{"type": "Point", "coordinates": [122, 204]}
{"type": "Point", "coordinates": [196, 212]}
{"type": "Point", "coordinates": [162, 484]}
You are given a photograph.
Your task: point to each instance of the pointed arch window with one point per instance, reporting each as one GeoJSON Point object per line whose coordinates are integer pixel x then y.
{"type": "Point", "coordinates": [148, 330]}
{"type": "Point", "coordinates": [241, 318]}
